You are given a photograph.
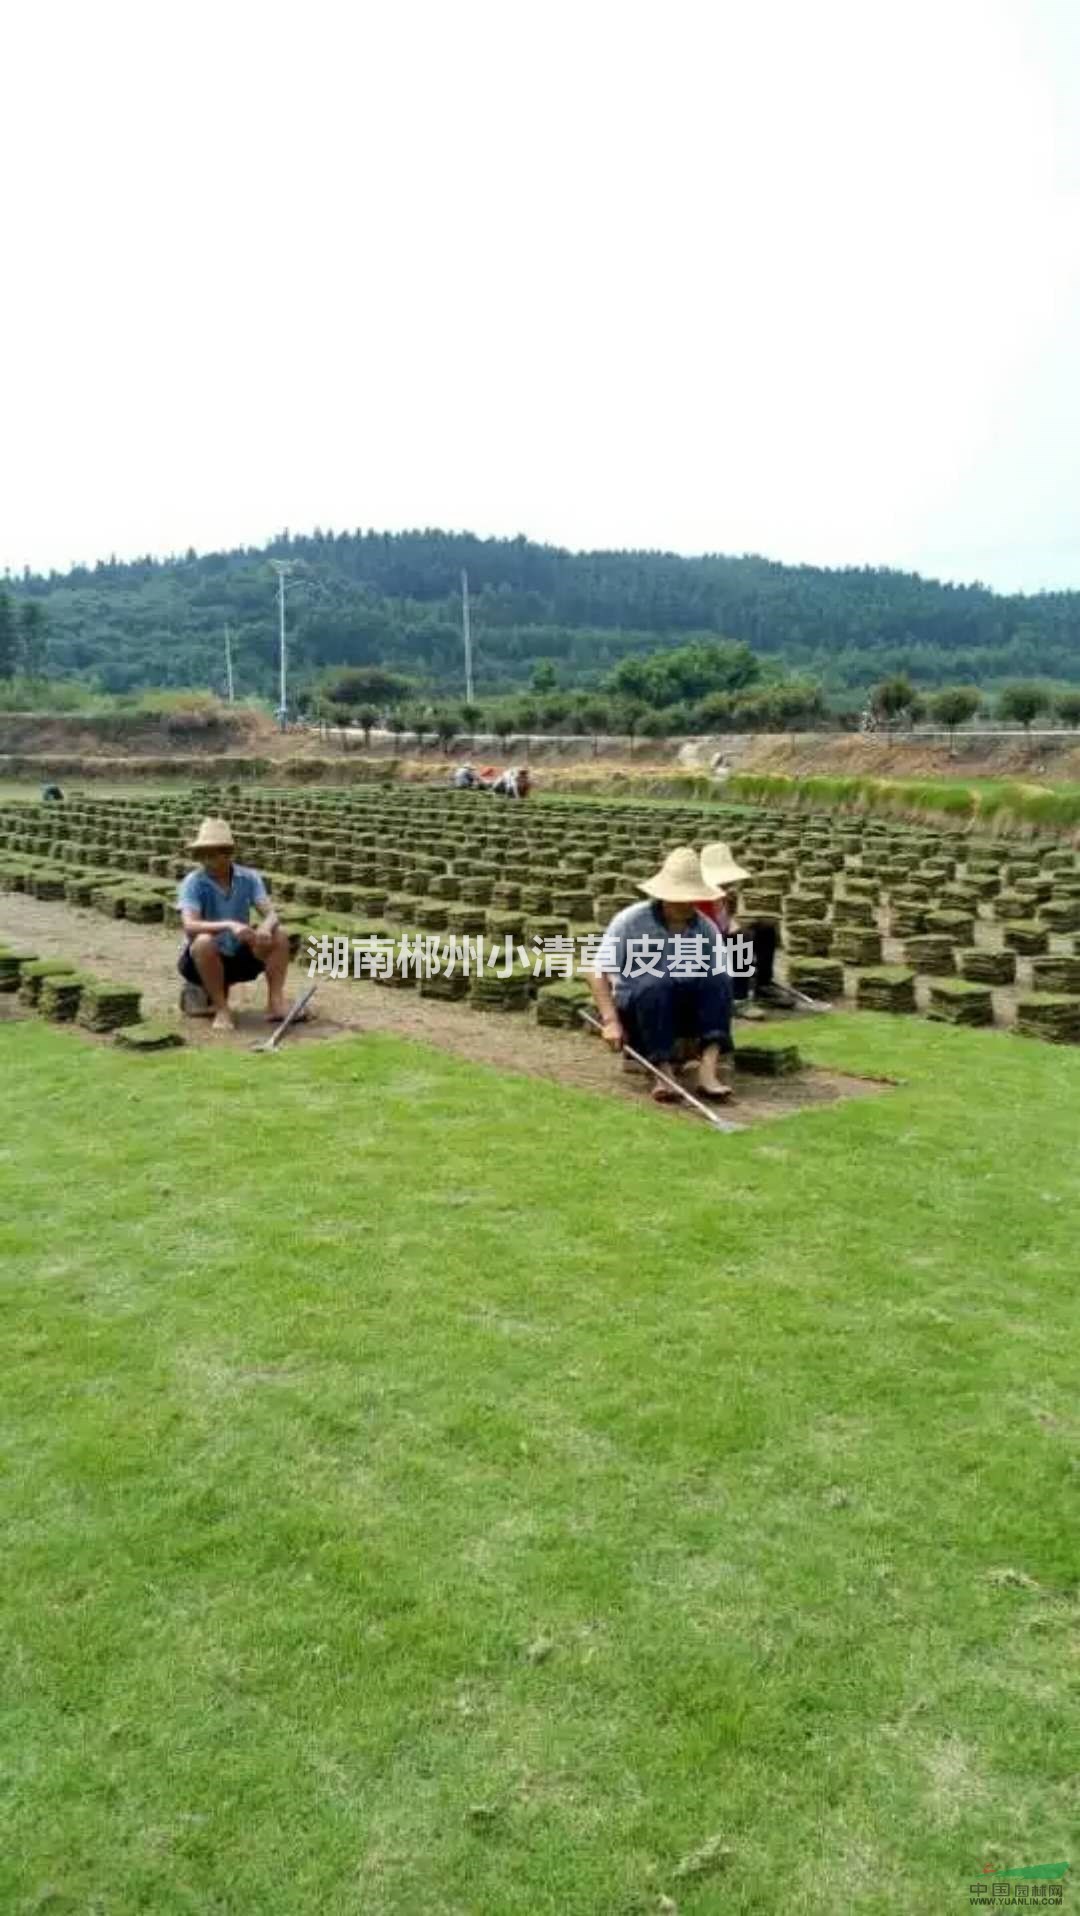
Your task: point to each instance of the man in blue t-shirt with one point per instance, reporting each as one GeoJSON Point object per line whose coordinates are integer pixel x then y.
{"type": "Point", "coordinates": [221, 948]}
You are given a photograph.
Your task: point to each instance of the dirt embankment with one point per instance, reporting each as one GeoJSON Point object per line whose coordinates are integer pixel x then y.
{"type": "Point", "coordinates": [1044, 757]}
{"type": "Point", "coordinates": [246, 743]}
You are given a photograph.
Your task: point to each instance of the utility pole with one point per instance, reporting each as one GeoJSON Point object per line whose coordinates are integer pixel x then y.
{"type": "Point", "coordinates": [466, 633]}
{"type": "Point", "coordinates": [228, 668]}
{"type": "Point", "coordinates": [284, 569]}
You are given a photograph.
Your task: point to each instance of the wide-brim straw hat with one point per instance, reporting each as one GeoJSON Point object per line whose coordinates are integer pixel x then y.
{"type": "Point", "coordinates": [720, 866]}
{"type": "Point", "coordinates": [213, 835]}
{"type": "Point", "coordinates": [680, 880]}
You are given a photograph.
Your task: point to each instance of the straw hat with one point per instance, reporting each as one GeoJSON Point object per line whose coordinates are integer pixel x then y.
{"type": "Point", "coordinates": [680, 880]}
{"type": "Point", "coordinates": [213, 835]}
{"type": "Point", "coordinates": [719, 866]}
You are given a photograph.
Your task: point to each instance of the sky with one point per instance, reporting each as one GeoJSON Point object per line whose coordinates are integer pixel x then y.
{"type": "Point", "coordinates": [799, 278]}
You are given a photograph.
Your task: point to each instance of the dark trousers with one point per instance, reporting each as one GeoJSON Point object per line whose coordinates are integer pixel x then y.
{"type": "Point", "coordinates": [763, 937]}
{"type": "Point", "coordinates": [657, 1014]}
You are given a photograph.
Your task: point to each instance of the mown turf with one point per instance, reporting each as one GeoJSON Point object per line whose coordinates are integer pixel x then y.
{"type": "Point", "coordinates": [428, 1492]}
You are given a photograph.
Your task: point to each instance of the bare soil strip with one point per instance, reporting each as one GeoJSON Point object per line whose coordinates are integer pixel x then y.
{"type": "Point", "coordinates": [145, 955]}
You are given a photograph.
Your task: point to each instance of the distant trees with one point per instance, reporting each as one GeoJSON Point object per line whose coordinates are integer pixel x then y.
{"type": "Point", "coordinates": [33, 639]}
{"type": "Point", "coordinates": [1067, 707]}
{"type": "Point", "coordinates": [687, 673]}
{"type": "Point", "coordinates": [364, 685]}
{"type": "Point", "coordinates": [648, 625]}
{"type": "Point", "coordinates": [894, 698]}
{"type": "Point", "coordinates": [1021, 703]}
{"type": "Point", "coordinates": [8, 640]}
{"type": "Point", "coordinates": [954, 706]}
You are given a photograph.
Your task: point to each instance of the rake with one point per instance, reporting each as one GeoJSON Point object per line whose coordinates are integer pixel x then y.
{"type": "Point", "coordinates": [271, 1043]}
{"type": "Point", "coordinates": [663, 1077]}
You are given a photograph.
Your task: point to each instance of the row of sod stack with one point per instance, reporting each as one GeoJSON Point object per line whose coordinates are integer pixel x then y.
{"type": "Point", "coordinates": [878, 913]}
{"type": "Point", "coordinates": [54, 989]}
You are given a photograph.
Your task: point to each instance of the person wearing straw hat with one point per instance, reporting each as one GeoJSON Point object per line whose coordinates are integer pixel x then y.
{"type": "Point", "coordinates": [221, 948]}
{"type": "Point", "coordinates": [659, 978]}
{"type": "Point", "coordinates": [723, 874]}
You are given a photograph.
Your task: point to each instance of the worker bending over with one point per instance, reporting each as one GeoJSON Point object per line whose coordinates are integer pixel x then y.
{"type": "Point", "coordinates": [221, 948]}
{"type": "Point", "coordinates": [723, 873]}
{"type": "Point", "coordinates": [660, 981]}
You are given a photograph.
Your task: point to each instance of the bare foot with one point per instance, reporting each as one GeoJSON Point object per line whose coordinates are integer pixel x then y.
{"type": "Point", "coordinates": [663, 1093]}
{"type": "Point", "coordinates": [714, 1088]}
{"type": "Point", "coordinates": [223, 1021]}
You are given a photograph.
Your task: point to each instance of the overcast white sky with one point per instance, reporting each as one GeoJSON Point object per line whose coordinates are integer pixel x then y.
{"type": "Point", "coordinates": [796, 276]}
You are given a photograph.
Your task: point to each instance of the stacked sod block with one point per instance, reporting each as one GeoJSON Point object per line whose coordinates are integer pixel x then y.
{"type": "Point", "coordinates": [855, 945]}
{"type": "Point", "coordinates": [855, 912]}
{"type": "Point", "coordinates": [817, 977]}
{"type": "Point", "coordinates": [105, 1007]}
{"type": "Point", "coordinates": [560, 1003]}
{"type": "Point", "coordinates": [11, 963]}
{"type": "Point", "coordinates": [1057, 972]}
{"type": "Point", "coordinates": [1052, 1016]}
{"type": "Point", "coordinates": [886, 988]}
{"type": "Point", "coordinates": [59, 996]}
{"type": "Point", "coordinates": [1060, 914]}
{"type": "Point", "coordinates": [807, 937]}
{"type": "Point", "coordinates": [987, 967]}
{"type": "Point", "coordinates": [1026, 937]}
{"type": "Point", "coordinates": [957, 926]}
{"type": "Point", "coordinates": [955, 1001]}
{"type": "Point", "coordinates": [930, 953]}
{"type": "Point", "coordinates": [488, 991]}
{"type": "Point", "coordinates": [32, 975]}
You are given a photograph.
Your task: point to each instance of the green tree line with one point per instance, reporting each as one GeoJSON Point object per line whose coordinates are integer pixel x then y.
{"type": "Point", "coordinates": [391, 599]}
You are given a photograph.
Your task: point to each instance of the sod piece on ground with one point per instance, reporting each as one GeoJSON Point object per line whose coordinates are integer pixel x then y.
{"type": "Point", "coordinates": [886, 988]}
{"type": "Point", "coordinates": [1052, 1016]}
{"type": "Point", "coordinates": [105, 1006]}
{"type": "Point", "coordinates": [767, 1060]}
{"type": "Point", "coordinates": [988, 967]}
{"type": "Point", "coordinates": [818, 977]}
{"type": "Point", "coordinates": [956, 1002]}
{"type": "Point", "coordinates": [149, 1036]}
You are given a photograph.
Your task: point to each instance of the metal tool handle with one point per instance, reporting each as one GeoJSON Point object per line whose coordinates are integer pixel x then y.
{"type": "Point", "coordinates": [275, 1038]}
{"type": "Point", "coordinates": [714, 1118]}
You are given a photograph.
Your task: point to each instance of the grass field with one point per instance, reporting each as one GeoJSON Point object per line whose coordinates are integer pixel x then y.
{"type": "Point", "coordinates": [427, 1492]}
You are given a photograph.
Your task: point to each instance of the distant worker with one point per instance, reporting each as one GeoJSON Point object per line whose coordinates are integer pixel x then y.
{"type": "Point", "coordinates": [515, 782]}
{"type": "Point", "coordinates": [464, 779]}
{"type": "Point", "coordinates": [221, 948]}
{"type": "Point", "coordinates": [52, 794]}
{"type": "Point", "coordinates": [722, 873]}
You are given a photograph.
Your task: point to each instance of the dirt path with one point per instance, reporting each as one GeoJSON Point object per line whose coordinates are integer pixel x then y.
{"type": "Point", "coordinates": [145, 955]}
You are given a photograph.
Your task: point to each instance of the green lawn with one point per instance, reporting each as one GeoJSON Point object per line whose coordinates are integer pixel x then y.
{"type": "Point", "coordinates": [426, 1491]}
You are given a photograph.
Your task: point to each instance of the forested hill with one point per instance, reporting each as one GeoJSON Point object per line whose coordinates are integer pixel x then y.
{"type": "Point", "coordinates": [393, 598]}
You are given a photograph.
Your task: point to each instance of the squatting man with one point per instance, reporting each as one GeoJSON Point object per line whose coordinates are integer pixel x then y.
{"type": "Point", "coordinates": [221, 948]}
{"type": "Point", "coordinates": [662, 1007]}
